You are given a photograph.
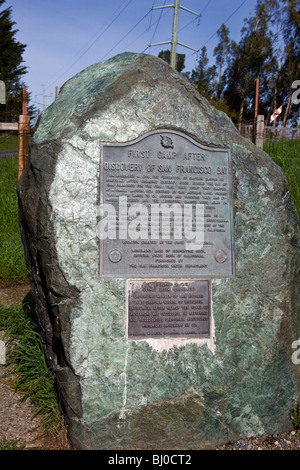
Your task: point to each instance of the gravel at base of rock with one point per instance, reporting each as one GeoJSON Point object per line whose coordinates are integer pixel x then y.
{"type": "Point", "coordinates": [283, 441]}
{"type": "Point", "coordinates": [16, 420]}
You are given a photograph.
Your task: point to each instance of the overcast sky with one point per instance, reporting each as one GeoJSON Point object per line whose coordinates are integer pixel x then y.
{"type": "Point", "coordinates": [65, 36]}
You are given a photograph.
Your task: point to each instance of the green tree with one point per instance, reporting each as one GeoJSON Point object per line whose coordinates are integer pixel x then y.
{"type": "Point", "coordinates": [253, 57]}
{"type": "Point", "coordinates": [290, 65]}
{"type": "Point", "coordinates": [221, 52]}
{"type": "Point", "coordinates": [180, 59]}
{"type": "Point", "coordinates": [11, 66]}
{"type": "Point", "coordinates": [203, 76]}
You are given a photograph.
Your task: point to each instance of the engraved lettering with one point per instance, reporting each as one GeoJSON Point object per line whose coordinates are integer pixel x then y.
{"type": "Point", "coordinates": [166, 154]}
{"type": "Point", "coordinates": [169, 308]}
{"type": "Point", "coordinates": [138, 153]}
{"type": "Point", "coordinates": [167, 192]}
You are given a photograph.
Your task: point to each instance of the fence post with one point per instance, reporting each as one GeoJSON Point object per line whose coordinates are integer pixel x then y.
{"type": "Point", "coordinates": [24, 134]}
{"type": "Point", "coordinates": [259, 134]}
{"type": "Point", "coordinates": [255, 105]}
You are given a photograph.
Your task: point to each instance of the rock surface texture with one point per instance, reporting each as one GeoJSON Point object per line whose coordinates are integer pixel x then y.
{"type": "Point", "coordinates": [126, 394]}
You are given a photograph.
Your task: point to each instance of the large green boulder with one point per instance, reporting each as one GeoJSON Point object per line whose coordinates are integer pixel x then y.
{"type": "Point", "coordinates": [181, 393]}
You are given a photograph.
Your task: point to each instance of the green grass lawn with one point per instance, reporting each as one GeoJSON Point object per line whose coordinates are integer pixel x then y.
{"type": "Point", "coordinates": [286, 153]}
{"type": "Point", "coordinates": [9, 143]}
{"type": "Point", "coordinates": [12, 264]}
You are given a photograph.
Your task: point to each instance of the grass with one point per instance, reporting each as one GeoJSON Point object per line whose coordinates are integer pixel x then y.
{"type": "Point", "coordinates": [27, 363]}
{"type": "Point", "coordinates": [9, 143]}
{"type": "Point", "coordinates": [295, 414]}
{"type": "Point", "coordinates": [286, 153]}
{"type": "Point", "coordinates": [11, 444]}
{"type": "Point", "coordinates": [12, 264]}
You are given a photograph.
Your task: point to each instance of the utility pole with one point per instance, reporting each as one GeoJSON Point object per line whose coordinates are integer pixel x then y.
{"type": "Point", "coordinates": [174, 41]}
{"type": "Point", "coordinates": [44, 97]}
{"type": "Point", "coordinates": [174, 34]}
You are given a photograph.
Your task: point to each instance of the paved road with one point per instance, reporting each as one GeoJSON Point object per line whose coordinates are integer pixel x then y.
{"type": "Point", "coordinates": [9, 153]}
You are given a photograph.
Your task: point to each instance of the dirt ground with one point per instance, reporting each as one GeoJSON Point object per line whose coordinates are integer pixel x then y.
{"type": "Point", "coordinates": [17, 419]}
{"type": "Point", "coordinates": [18, 423]}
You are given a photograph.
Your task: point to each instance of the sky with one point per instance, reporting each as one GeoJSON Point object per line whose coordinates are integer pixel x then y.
{"type": "Point", "coordinates": [64, 37]}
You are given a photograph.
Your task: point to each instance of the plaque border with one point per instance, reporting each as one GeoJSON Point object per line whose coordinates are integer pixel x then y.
{"type": "Point", "coordinates": [144, 338]}
{"type": "Point", "coordinates": [103, 144]}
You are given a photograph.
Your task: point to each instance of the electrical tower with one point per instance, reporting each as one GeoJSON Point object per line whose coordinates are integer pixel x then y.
{"type": "Point", "coordinates": [44, 96]}
{"type": "Point", "coordinates": [174, 41]}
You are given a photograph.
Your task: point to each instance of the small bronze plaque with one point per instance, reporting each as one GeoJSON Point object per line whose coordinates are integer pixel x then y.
{"type": "Point", "coordinates": [173, 308]}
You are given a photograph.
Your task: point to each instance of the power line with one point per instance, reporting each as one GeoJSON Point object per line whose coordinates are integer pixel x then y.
{"type": "Point", "coordinates": [122, 39]}
{"type": "Point", "coordinates": [164, 12]}
{"type": "Point", "coordinates": [124, 5]}
{"type": "Point", "coordinates": [150, 22]}
{"type": "Point", "coordinates": [160, 15]}
{"type": "Point", "coordinates": [201, 12]}
{"type": "Point", "coordinates": [244, 1]}
{"type": "Point", "coordinates": [196, 19]}
{"type": "Point", "coordinates": [226, 21]}
{"type": "Point", "coordinates": [141, 34]}
{"type": "Point", "coordinates": [95, 40]}
{"type": "Point", "coordinates": [174, 42]}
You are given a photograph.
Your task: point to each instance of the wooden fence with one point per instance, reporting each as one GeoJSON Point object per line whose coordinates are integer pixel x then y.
{"type": "Point", "coordinates": [271, 132]}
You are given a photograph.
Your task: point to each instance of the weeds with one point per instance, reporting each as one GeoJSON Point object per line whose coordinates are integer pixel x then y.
{"type": "Point", "coordinates": [26, 359]}
{"type": "Point", "coordinates": [295, 415]}
{"type": "Point", "coordinates": [11, 444]}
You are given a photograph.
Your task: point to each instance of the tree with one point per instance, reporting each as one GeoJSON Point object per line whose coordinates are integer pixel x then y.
{"type": "Point", "coordinates": [290, 67]}
{"type": "Point", "coordinates": [253, 57]}
{"type": "Point", "coordinates": [11, 68]}
{"type": "Point", "coordinates": [221, 52]}
{"type": "Point", "coordinates": [203, 76]}
{"type": "Point", "coordinates": [180, 59]}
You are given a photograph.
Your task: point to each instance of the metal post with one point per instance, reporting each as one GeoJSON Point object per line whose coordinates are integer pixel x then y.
{"type": "Point", "coordinates": [44, 96]}
{"type": "Point", "coordinates": [174, 35]}
{"type": "Point", "coordinates": [174, 41]}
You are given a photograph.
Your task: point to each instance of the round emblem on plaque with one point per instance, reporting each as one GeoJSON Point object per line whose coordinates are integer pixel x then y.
{"type": "Point", "coordinates": [166, 142]}
{"type": "Point", "coordinates": [221, 256]}
{"type": "Point", "coordinates": [115, 256]}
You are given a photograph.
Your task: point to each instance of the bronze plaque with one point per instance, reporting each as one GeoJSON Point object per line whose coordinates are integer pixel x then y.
{"type": "Point", "coordinates": [173, 308]}
{"type": "Point", "coordinates": [165, 208]}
